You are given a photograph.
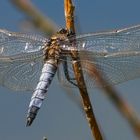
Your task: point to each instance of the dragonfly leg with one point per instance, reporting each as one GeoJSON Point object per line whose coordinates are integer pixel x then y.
{"type": "Point", "coordinates": [66, 72]}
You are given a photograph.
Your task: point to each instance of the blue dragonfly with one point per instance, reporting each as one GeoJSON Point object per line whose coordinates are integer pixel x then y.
{"type": "Point", "coordinates": [29, 62]}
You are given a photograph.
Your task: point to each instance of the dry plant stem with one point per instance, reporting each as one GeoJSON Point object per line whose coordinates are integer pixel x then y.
{"type": "Point", "coordinates": [69, 16]}
{"type": "Point", "coordinates": [40, 21]}
{"type": "Point", "coordinates": [126, 110]}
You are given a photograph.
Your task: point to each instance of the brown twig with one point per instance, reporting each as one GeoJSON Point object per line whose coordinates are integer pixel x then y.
{"type": "Point", "coordinates": [43, 23]}
{"type": "Point", "coordinates": [126, 110]}
{"type": "Point", "coordinates": [69, 16]}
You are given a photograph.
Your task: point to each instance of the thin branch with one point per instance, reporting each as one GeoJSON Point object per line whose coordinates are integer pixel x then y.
{"type": "Point", "coordinates": [69, 17]}
{"type": "Point", "coordinates": [38, 19]}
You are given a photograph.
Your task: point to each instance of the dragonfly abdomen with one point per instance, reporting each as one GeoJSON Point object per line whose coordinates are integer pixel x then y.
{"type": "Point", "coordinates": [51, 58]}
{"type": "Point", "coordinates": [47, 75]}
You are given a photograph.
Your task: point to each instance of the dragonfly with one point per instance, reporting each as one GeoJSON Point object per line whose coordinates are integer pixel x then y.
{"type": "Point", "coordinates": [29, 62]}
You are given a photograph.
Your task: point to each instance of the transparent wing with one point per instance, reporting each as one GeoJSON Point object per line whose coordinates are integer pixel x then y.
{"type": "Point", "coordinates": [20, 75]}
{"type": "Point", "coordinates": [116, 54]}
{"type": "Point", "coordinates": [17, 43]}
{"type": "Point", "coordinates": [20, 60]}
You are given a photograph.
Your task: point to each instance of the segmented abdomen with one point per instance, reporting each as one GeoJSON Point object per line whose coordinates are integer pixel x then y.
{"type": "Point", "coordinates": [46, 77]}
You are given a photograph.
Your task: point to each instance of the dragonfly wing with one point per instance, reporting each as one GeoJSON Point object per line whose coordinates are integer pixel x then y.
{"type": "Point", "coordinates": [20, 75]}
{"type": "Point", "coordinates": [12, 43]}
{"type": "Point", "coordinates": [21, 60]}
{"type": "Point", "coordinates": [115, 69]}
{"type": "Point", "coordinates": [116, 54]}
{"type": "Point", "coordinates": [135, 30]}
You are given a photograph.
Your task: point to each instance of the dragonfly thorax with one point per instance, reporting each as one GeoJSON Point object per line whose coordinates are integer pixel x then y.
{"type": "Point", "coordinates": [53, 47]}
